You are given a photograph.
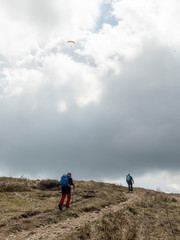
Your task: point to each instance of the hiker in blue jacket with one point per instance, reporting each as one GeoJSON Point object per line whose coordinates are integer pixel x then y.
{"type": "Point", "coordinates": [130, 182]}
{"type": "Point", "coordinates": [66, 183]}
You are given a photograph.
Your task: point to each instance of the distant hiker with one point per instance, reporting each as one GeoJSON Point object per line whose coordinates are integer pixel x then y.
{"type": "Point", "coordinates": [66, 183]}
{"type": "Point", "coordinates": [130, 182]}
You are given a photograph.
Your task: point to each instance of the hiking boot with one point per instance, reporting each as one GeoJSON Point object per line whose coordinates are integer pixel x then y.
{"type": "Point", "coordinates": [60, 207]}
{"type": "Point", "coordinates": [67, 207]}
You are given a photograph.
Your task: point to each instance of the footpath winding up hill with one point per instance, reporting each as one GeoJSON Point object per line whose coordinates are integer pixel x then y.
{"type": "Point", "coordinates": [98, 211]}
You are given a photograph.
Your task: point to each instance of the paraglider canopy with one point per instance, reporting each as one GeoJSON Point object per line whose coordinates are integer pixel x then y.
{"type": "Point", "coordinates": [70, 42]}
{"type": "Point", "coordinates": [69, 47]}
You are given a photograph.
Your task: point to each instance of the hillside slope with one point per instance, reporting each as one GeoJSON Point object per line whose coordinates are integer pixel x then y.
{"type": "Point", "coordinates": [98, 211]}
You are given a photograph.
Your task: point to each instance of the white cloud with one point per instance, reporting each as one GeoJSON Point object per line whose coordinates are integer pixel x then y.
{"type": "Point", "coordinates": [21, 81]}
{"type": "Point", "coordinates": [62, 106]}
{"type": "Point", "coordinates": [139, 22]}
{"type": "Point", "coordinates": [26, 24]}
{"type": "Point", "coordinates": [16, 38]}
{"type": "Point", "coordinates": [150, 19]}
{"type": "Point", "coordinates": [22, 31]}
{"type": "Point", "coordinates": [31, 30]}
{"type": "Point", "coordinates": [81, 82]}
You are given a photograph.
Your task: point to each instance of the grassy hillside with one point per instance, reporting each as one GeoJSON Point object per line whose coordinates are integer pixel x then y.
{"type": "Point", "coordinates": [27, 205]}
{"type": "Point", "coordinates": [155, 216]}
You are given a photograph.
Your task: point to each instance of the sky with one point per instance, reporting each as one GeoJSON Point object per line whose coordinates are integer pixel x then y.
{"type": "Point", "coordinates": [103, 107]}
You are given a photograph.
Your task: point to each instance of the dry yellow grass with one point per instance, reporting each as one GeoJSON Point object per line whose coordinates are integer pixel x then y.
{"type": "Point", "coordinates": [155, 216]}
{"type": "Point", "coordinates": [27, 204]}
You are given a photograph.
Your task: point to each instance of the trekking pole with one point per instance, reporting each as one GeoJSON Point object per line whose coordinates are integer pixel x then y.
{"type": "Point", "coordinates": [72, 196]}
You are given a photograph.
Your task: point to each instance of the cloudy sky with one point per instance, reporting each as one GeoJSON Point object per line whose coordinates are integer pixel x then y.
{"type": "Point", "coordinates": [103, 107]}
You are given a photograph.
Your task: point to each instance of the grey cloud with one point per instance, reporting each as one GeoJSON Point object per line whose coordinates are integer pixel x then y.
{"type": "Point", "coordinates": [135, 127]}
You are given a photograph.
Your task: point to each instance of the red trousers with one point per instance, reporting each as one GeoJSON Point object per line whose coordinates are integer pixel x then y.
{"type": "Point", "coordinates": [68, 199]}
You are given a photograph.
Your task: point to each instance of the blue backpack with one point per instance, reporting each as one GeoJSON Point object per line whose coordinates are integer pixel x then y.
{"type": "Point", "coordinates": [64, 180]}
{"type": "Point", "coordinates": [128, 178]}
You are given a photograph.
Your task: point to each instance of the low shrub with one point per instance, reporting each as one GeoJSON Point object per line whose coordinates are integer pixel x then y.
{"type": "Point", "coordinates": [48, 184]}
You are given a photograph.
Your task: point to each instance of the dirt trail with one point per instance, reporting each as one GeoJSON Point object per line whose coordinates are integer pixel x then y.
{"type": "Point", "coordinates": [59, 231]}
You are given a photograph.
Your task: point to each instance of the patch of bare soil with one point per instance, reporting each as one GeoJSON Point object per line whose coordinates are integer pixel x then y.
{"type": "Point", "coordinates": [58, 230]}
